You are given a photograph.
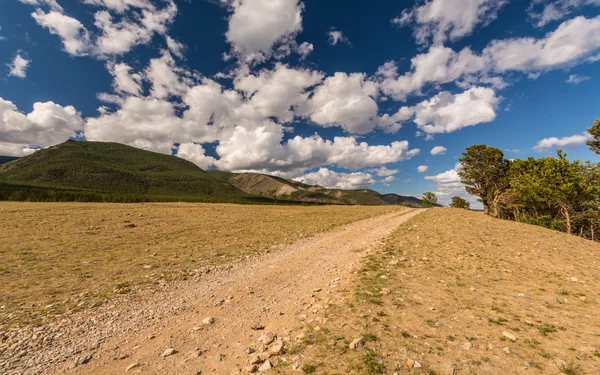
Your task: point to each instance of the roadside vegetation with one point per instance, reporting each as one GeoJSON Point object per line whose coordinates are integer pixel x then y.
{"type": "Point", "coordinates": [551, 192]}
{"type": "Point", "coordinates": [456, 292]}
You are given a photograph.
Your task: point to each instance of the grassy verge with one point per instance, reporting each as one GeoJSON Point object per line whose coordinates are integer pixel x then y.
{"type": "Point", "coordinates": [461, 293]}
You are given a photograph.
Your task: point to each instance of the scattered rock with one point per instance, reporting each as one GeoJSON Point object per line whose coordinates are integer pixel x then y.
{"type": "Point", "coordinates": [220, 357]}
{"type": "Point", "coordinates": [385, 291]}
{"type": "Point", "coordinates": [266, 366]}
{"type": "Point", "coordinates": [466, 346]}
{"type": "Point", "coordinates": [208, 321]}
{"type": "Point", "coordinates": [509, 336]}
{"type": "Point", "coordinates": [357, 343]}
{"type": "Point", "coordinates": [266, 338]}
{"type": "Point", "coordinates": [168, 352]}
{"type": "Point", "coordinates": [257, 326]}
{"type": "Point", "coordinates": [277, 348]}
{"type": "Point", "coordinates": [84, 359]}
{"type": "Point", "coordinates": [251, 368]}
{"type": "Point", "coordinates": [506, 350]}
{"type": "Point", "coordinates": [132, 225]}
{"type": "Point", "coordinates": [215, 252]}
{"type": "Point", "coordinates": [411, 363]}
{"type": "Point", "coordinates": [317, 290]}
{"type": "Point", "coordinates": [250, 350]}
{"type": "Point", "coordinates": [132, 366]}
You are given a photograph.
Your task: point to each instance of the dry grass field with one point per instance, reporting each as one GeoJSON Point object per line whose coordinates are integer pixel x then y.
{"type": "Point", "coordinates": [454, 292]}
{"type": "Point", "coordinates": [58, 257]}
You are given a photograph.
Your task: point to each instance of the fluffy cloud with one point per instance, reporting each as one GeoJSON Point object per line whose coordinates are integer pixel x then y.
{"type": "Point", "coordinates": [438, 150]}
{"type": "Point", "coordinates": [422, 168]}
{"type": "Point", "coordinates": [448, 185]}
{"type": "Point", "coordinates": [388, 179]}
{"type": "Point", "coordinates": [18, 66]}
{"type": "Point", "coordinates": [440, 20]}
{"type": "Point", "coordinates": [336, 36]}
{"type": "Point", "coordinates": [120, 37]}
{"type": "Point", "coordinates": [554, 142]}
{"type": "Point", "coordinates": [445, 112]}
{"type": "Point", "coordinates": [114, 38]}
{"type": "Point", "coordinates": [331, 179]}
{"type": "Point", "coordinates": [74, 36]}
{"type": "Point", "coordinates": [384, 171]}
{"type": "Point", "coordinates": [123, 80]}
{"type": "Point", "coordinates": [577, 79]}
{"type": "Point", "coordinates": [257, 26]}
{"type": "Point", "coordinates": [51, 3]}
{"type": "Point", "coordinates": [196, 154]}
{"type": "Point", "coordinates": [555, 10]}
{"type": "Point", "coordinates": [304, 50]}
{"type": "Point", "coordinates": [48, 124]}
{"type": "Point", "coordinates": [277, 92]}
{"type": "Point", "coordinates": [571, 43]}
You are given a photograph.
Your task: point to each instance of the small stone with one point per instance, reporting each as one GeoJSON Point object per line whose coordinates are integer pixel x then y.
{"type": "Point", "coordinates": [295, 366]}
{"type": "Point", "coordinates": [393, 262]}
{"type": "Point", "coordinates": [132, 366]}
{"type": "Point", "coordinates": [147, 267]}
{"type": "Point", "coordinates": [582, 299]}
{"type": "Point", "coordinates": [417, 365]}
{"type": "Point", "coordinates": [466, 346]}
{"type": "Point", "coordinates": [251, 368]}
{"type": "Point", "coordinates": [410, 363]}
{"type": "Point", "coordinates": [277, 348]}
{"type": "Point", "coordinates": [208, 321]}
{"type": "Point", "coordinates": [168, 352]}
{"type": "Point", "coordinates": [317, 290]}
{"type": "Point", "coordinates": [574, 279]}
{"type": "Point", "coordinates": [357, 343]}
{"type": "Point", "coordinates": [255, 360]}
{"type": "Point", "coordinates": [84, 359]}
{"type": "Point", "coordinates": [250, 350]}
{"type": "Point", "coordinates": [257, 326]}
{"type": "Point", "coordinates": [506, 350]}
{"type": "Point", "coordinates": [266, 366]}
{"type": "Point", "coordinates": [266, 338]}
{"type": "Point", "coordinates": [385, 291]}
{"type": "Point", "coordinates": [509, 336]}
{"type": "Point", "coordinates": [220, 357]}
{"type": "Point", "coordinates": [215, 252]}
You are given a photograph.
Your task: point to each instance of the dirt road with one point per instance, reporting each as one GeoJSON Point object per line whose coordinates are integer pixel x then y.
{"type": "Point", "coordinates": [279, 291]}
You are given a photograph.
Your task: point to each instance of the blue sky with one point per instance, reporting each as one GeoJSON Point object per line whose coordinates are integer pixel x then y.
{"type": "Point", "coordinates": [345, 96]}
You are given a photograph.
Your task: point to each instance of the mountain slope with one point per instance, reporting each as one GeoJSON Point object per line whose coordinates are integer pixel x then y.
{"type": "Point", "coordinates": [276, 187]}
{"type": "Point", "coordinates": [115, 168]}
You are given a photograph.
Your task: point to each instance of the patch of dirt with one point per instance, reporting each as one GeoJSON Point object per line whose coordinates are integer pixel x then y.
{"type": "Point", "coordinates": [56, 258]}
{"type": "Point", "coordinates": [167, 329]}
{"type": "Point", "coordinates": [455, 292]}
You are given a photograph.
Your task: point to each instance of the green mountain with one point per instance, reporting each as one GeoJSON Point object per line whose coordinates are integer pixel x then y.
{"type": "Point", "coordinates": [99, 171]}
{"type": "Point", "coordinates": [112, 168]}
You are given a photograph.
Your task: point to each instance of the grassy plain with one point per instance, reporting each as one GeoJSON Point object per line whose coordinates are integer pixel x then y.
{"type": "Point", "coordinates": [56, 257]}
{"type": "Point", "coordinates": [462, 293]}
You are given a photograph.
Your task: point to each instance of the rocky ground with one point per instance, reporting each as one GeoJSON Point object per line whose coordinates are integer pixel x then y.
{"type": "Point", "coordinates": [247, 316]}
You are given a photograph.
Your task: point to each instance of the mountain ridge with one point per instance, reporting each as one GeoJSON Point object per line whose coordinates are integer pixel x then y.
{"type": "Point", "coordinates": [88, 169]}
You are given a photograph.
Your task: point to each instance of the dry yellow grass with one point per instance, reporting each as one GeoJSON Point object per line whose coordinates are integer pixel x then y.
{"type": "Point", "coordinates": [457, 282]}
{"type": "Point", "coordinates": [56, 257]}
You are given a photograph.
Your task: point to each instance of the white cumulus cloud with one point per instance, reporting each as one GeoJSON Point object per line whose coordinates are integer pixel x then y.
{"type": "Point", "coordinates": [422, 168]}
{"type": "Point", "coordinates": [18, 66]}
{"type": "Point", "coordinates": [438, 150]}
{"type": "Point", "coordinates": [331, 179]}
{"type": "Point", "coordinates": [554, 142]}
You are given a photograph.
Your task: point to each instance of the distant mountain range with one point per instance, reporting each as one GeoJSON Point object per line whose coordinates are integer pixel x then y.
{"type": "Point", "coordinates": [100, 171]}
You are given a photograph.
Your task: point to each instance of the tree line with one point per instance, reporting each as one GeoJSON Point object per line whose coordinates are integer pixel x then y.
{"type": "Point", "coordinates": [552, 191]}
